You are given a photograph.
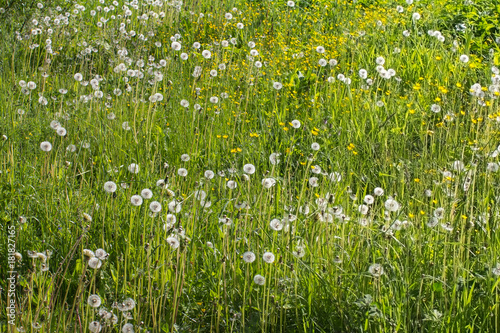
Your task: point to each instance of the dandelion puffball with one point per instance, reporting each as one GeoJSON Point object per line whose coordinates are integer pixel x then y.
{"type": "Point", "coordinates": [110, 187]}
{"type": "Point", "coordinates": [46, 146]}
{"type": "Point", "coordinates": [133, 168]}
{"type": "Point", "coordinates": [259, 280]}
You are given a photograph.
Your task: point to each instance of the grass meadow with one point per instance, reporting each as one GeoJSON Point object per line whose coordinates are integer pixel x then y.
{"type": "Point", "coordinates": [249, 166]}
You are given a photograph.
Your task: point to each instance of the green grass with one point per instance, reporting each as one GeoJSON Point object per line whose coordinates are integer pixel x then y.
{"type": "Point", "coordinates": [439, 267]}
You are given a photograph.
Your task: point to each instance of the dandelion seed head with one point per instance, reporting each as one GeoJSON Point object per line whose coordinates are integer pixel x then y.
{"type": "Point", "coordinates": [46, 146]}
{"type": "Point", "coordinates": [276, 224]}
{"type": "Point", "coordinates": [182, 172]}
{"type": "Point", "coordinates": [136, 200]}
{"type": "Point", "coordinates": [496, 270]}
{"type": "Point", "coordinates": [376, 270]}
{"type": "Point", "coordinates": [95, 327]}
{"type": "Point", "coordinates": [249, 257]}
{"type": "Point", "coordinates": [95, 263]}
{"type": "Point", "coordinates": [259, 280]}
{"type": "Point", "coordinates": [391, 205]}
{"type": "Point", "coordinates": [277, 85]}
{"type": "Point", "coordinates": [133, 168]}
{"type": "Point", "coordinates": [155, 207]}
{"type": "Point", "coordinates": [209, 174]}
{"type": "Point", "coordinates": [110, 187]}
{"type": "Point", "coordinates": [94, 301]}
{"type": "Point", "coordinates": [173, 242]}
{"type": "Point", "coordinates": [268, 257]}
{"type": "Point", "coordinates": [101, 254]}
{"type": "Point", "coordinates": [206, 54]}
{"type": "Point", "coordinates": [249, 169]}
{"type": "Point", "coordinates": [128, 328]}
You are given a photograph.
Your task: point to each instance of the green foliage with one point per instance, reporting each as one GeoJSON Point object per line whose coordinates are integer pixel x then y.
{"type": "Point", "coordinates": [324, 141]}
{"type": "Point", "coordinates": [472, 21]}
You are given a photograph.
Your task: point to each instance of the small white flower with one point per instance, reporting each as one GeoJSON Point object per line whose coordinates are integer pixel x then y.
{"type": "Point", "coordinates": [206, 54]}
{"type": "Point", "coordinates": [155, 207]}
{"type": "Point", "coordinates": [173, 242]}
{"type": "Point", "coordinates": [259, 280]}
{"type": "Point", "coordinates": [380, 61]}
{"type": "Point", "coordinates": [335, 177]}
{"type": "Point", "coordinates": [95, 327]}
{"type": "Point", "coordinates": [249, 257]}
{"type": "Point", "coordinates": [439, 213]}
{"type": "Point", "coordinates": [296, 123]}
{"type": "Point", "coordinates": [492, 167]}
{"type": "Point", "coordinates": [110, 187]}
{"type": "Point", "coordinates": [276, 224]}
{"type": "Point", "coordinates": [376, 270]}
{"type": "Point", "coordinates": [277, 85]}
{"type": "Point", "coordinates": [268, 257]}
{"type": "Point", "coordinates": [496, 270]}
{"type": "Point", "coordinates": [94, 301]}
{"type": "Point", "coordinates": [320, 49]}
{"type": "Point", "coordinates": [378, 191]}
{"type": "Point", "coordinates": [54, 124]}
{"type": "Point", "coordinates": [95, 263]}
{"type": "Point", "coordinates": [126, 126]}
{"type": "Point", "coordinates": [363, 209]}
{"type": "Point", "coordinates": [209, 174]}
{"type": "Point", "coordinates": [182, 172]}
{"type": "Point", "coordinates": [136, 200]}
{"type": "Point", "coordinates": [363, 74]}
{"type": "Point", "coordinates": [369, 199]}
{"type": "Point", "coordinates": [174, 206]}
{"type": "Point", "coordinates": [101, 254]}
{"type": "Point", "coordinates": [171, 219]}
{"type": "Point", "coordinates": [316, 169]}
{"type": "Point", "coordinates": [146, 193]}
{"type": "Point", "coordinates": [274, 158]}
{"type": "Point", "coordinates": [268, 182]}
{"type": "Point", "coordinates": [176, 46]}
{"type": "Point", "coordinates": [435, 108]}
{"type": "Point", "coordinates": [249, 169]}
{"type": "Point", "coordinates": [46, 146]}
{"type": "Point", "coordinates": [313, 181]}
{"type": "Point", "coordinates": [133, 168]}
{"type": "Point", "coordinates": [391, 205]}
